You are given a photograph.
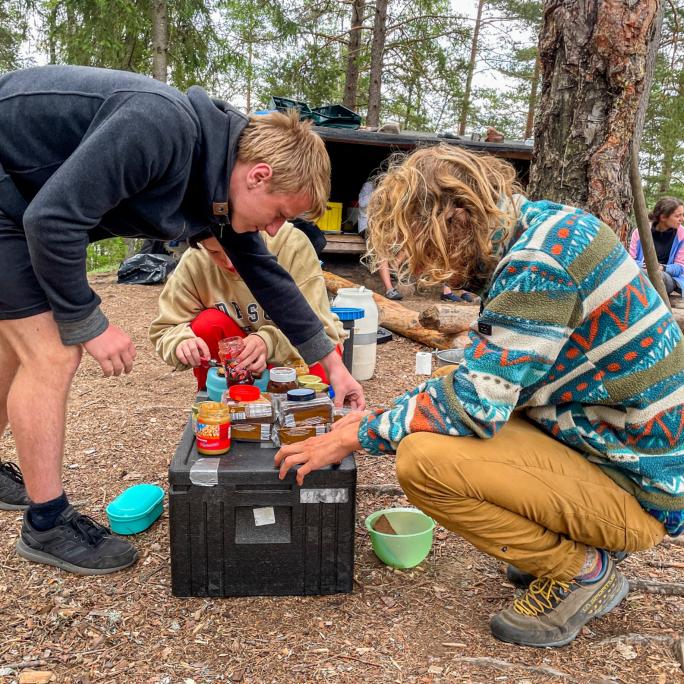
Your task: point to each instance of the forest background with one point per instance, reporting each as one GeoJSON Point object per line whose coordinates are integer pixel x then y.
{"type": "Point", "coordinates": [429, 65]}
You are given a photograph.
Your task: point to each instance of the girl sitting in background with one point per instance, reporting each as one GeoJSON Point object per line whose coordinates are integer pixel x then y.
{"type": "Point", "coordinates": [668, 239]}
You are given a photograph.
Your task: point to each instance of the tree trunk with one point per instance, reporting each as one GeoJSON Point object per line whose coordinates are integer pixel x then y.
{"type": "Point", "coordinates": [471, 69]}
{"type": "Point", "coordinates": [250, 72]}
{"type": "Point", "coordinates": [160, 40]}
{"type": "Point", "coordinates": [351, 81]}
{"type": "Point", "coordinates": [396, 317]}
{"type": "Point", "coordinates": [449, 318]}
{"type": "Point", "coordinates": [593, 58]}
{"type": "Point", "coordinates": [532, 104]}
{"type": "Point", "coordinates": [377, 55]}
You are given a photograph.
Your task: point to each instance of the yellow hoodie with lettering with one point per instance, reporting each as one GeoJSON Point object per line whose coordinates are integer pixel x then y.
{"type": "Point", "coordinates": [197, 283]}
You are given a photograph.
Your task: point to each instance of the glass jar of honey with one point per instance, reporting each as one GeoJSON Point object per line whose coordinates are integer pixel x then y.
{"type": "Point", "coordinates": [213, 428]}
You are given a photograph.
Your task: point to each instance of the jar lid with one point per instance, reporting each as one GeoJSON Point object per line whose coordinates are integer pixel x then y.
{"type": "Point", "coordinates": [308, 379]}
{"type": "Point", "coordinates": [348, 313]}
{"type": "Point", "coordinates": [244, 392]}
{"type": "Point", "coordinates": [282, 374]}
{"type": "Point", "coordinates": [301, 394]}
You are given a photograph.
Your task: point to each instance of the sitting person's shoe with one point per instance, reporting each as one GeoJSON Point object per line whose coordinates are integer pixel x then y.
{"type": "Point", "coordinates": [522, 580]}
{"type": "Point", "coordinates": [551, 613]}
{"type": "Point", "coordinates": [13, 495]}
{"type": "Point", "coordinates": [77, 544]}
{"type": "Point", "coordinates": [469, 297]}
{"type": "Point", "coordinates": [451, 297]}
{"type": "Point", "coordinates": [394, 294]}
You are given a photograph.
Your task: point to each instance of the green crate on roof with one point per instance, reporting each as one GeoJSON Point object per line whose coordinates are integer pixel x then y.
{"type": "Point", "coordinates": [282, 104]}
{"type": "Point", "coordinates": [335, 116]}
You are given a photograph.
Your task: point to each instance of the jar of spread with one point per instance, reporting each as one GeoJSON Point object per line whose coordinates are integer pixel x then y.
{"type": "Point", "coordinates": [298, 364]}
{"type": "Point", "coordinates": [303, 404]}
{"type": "Point", "coordinates": [282, 380]}
{"type": "Point", "coordinates": [229, 350]}
{"type": "Point", "coordinates": [251, 432]}
{"type": "Point", "coordinates": [213, 428]}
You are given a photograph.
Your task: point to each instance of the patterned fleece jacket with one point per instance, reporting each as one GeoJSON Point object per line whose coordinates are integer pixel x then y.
{"type": "Point", "coordinates": [573, 333]}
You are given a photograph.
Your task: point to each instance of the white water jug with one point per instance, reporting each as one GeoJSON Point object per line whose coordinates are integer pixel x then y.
{"type": "Point", "coordinates": [365, 329]}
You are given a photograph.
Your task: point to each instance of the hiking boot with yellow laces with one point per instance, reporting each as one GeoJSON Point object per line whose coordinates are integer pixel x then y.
{"type": "Point", "coordinates": [551, 613]}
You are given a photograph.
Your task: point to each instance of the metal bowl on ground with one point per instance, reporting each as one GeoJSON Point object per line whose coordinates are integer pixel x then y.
{"type": "Point", "coordinates": [449, 357]}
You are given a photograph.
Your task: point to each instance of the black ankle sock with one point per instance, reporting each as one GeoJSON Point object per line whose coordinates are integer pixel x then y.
{"type": "Point", "coordinates": [43, 516]}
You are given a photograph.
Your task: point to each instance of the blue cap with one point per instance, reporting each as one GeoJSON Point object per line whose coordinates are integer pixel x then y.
{"type": "Point", "coordinates": [347, 313]}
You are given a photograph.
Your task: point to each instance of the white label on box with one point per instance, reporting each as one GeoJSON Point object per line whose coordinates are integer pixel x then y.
{"type": "Point", "coordinates": [332, 495]}
{"type": "Point", "coordinates": [264, 516]}
{"type": "Point", "coordinates": [265, 432]}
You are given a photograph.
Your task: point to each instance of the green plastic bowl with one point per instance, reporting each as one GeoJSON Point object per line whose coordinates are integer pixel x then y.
{"type": "Point", "coordinates": [412, 543]}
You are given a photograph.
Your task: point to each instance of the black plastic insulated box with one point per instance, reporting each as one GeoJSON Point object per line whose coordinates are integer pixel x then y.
{"type": "Point", "coordinates": [237, 530]}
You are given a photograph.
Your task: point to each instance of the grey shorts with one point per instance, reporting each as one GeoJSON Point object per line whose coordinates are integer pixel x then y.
{"type": "Point", "coordinates": [20, 294]}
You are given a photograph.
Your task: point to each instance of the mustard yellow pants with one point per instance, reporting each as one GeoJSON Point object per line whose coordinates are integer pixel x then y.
{"type": "Point", "coordinates": [523, 497]}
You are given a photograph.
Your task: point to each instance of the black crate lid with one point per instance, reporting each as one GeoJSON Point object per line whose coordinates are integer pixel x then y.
{"type": "Point", "coordinates": [245, 463]}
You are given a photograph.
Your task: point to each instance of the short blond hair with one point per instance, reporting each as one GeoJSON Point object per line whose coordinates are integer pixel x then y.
{"type": "Point", "coordinates": [433, 213]}
{"type": "Point", "coordinates": [296, 154]}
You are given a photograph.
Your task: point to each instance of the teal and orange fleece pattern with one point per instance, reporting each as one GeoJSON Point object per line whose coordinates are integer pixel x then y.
{"type": "Point", "coordinates": [576, 336]}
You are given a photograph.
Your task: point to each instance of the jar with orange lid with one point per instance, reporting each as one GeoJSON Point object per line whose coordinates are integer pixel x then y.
{"type": "Point", "coordinates": [213, 428]}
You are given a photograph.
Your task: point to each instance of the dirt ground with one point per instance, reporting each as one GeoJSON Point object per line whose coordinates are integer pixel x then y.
{"type": "Point", "coordinates": [426, 625]}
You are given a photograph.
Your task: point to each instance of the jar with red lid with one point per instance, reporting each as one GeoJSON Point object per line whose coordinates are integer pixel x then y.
{"type": "Point", "coordinates": [229, 349]}
{"type": "Point", "coordinates": [212, 431]}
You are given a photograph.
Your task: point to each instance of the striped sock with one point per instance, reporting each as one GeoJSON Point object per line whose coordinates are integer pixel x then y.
{"type": "Point", "coordinates": [594, 568]}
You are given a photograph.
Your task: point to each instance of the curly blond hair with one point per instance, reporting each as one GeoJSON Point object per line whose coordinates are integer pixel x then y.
{"type": "Point", "coordinates": [296, 154]}
{"type": "Point", "coordinates": [433, 213]}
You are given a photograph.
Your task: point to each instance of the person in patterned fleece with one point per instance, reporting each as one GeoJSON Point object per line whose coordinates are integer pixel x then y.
{"type": "Point", "coordinates": [559, 440]}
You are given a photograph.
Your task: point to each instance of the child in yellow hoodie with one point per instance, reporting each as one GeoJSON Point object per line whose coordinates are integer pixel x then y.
{"type": "Point", "coordinates": [205, 300]}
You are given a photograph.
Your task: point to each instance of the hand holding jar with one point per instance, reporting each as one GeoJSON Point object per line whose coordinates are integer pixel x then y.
{"type": "Point", "coordinates": [230, 351]}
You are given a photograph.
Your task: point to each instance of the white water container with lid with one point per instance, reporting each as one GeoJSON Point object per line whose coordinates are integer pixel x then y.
{"type": "Point", "coordinates": [365, 329]}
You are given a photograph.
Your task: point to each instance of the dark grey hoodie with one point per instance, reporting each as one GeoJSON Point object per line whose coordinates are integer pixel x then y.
{"type": "Point", "coordinates": [87, 154]}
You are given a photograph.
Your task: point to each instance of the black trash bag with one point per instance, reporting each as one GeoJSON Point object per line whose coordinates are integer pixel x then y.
{"type": "Point", "coordinates": [145, 269]}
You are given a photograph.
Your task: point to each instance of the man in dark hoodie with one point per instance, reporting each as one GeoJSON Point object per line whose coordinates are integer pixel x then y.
{"type": "Point", "coordinates": [87, 154]}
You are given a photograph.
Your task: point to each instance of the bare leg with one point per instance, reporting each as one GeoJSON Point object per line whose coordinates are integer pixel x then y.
{"type": "Point", "coordinates": [8, 369]}
{"type": "Point", "coordinates": [36, 403]}
{"type": "Point", "coordinates": [383, 270]}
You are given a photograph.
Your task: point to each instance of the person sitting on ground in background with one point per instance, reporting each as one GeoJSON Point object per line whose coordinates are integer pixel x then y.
{"type": "Point", "coordinates": [574, 336]}
{"type": "Point", "coordinates": [383, 268]}
{"type": "Point", "coordinates": [668, 239]}
{"type": "Point", "coordinates": [206, 300]}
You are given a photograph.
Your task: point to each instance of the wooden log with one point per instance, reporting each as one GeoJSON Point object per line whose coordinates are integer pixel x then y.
{"type": "Point", "coordinates": [449, 318]}
{"type": "Point", "coordinates": [396, 317]}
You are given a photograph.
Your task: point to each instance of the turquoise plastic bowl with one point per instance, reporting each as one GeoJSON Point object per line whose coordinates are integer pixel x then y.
{"type": "Point", "coordinates": [135, 509]}
{"type": "Point", "coordinates": [412, 543]}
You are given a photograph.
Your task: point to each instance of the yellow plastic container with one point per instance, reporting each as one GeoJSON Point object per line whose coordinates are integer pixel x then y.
{"type": "Point", "coordinates": [331, 221]}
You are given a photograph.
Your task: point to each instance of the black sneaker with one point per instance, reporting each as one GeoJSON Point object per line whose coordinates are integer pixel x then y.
{"type": "Point", "coordinates": [77, 544]}
{"type": "Point", "coordinates": [13, 495]}
{"type": "Point", "coordinates": [522, 580]}
{"type": "Point", "coordinates": [393, 294]}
